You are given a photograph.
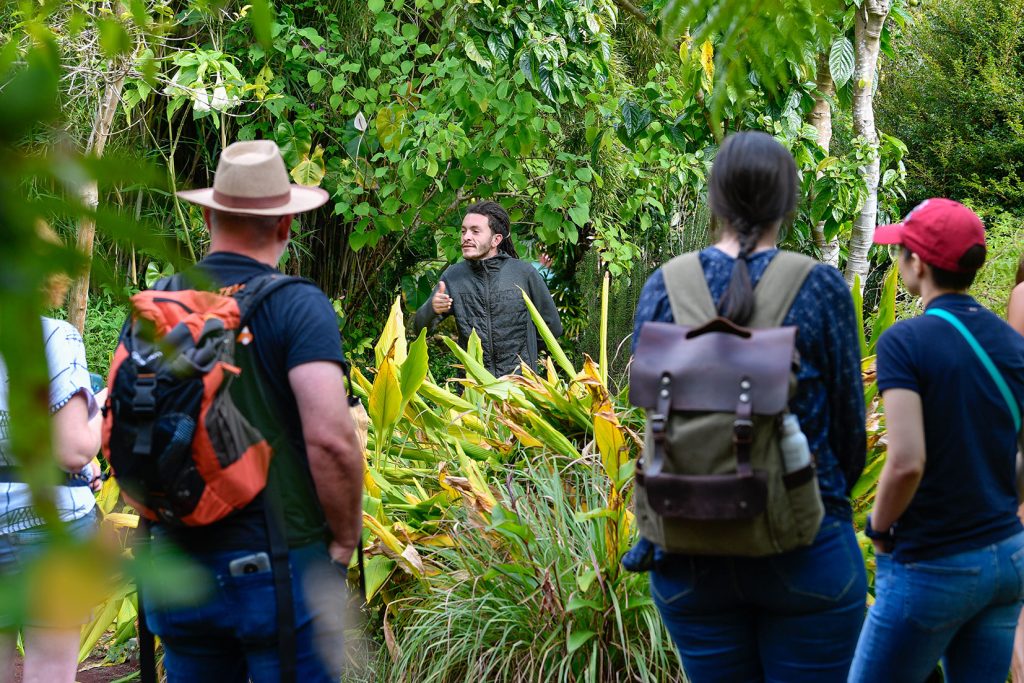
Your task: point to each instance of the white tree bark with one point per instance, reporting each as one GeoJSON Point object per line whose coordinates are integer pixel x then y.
{"type": "Point", "coordinates": [868, 31]}
{"type": "Point", "coordinates": [78, 299]}
{"type": "Point", "coordinates": [821, 118]}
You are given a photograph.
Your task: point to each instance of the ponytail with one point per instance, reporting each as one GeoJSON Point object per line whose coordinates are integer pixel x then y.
{"type": "Point", "coordinates": [753, 185]}
{"type": "Point", "coordinates": [737, 304]}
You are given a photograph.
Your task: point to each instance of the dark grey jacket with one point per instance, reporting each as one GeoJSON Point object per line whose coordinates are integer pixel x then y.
{"type": "Point", "coordinates": [487, 296]}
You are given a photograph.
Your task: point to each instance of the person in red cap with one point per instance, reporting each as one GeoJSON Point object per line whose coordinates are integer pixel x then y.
{"type": "Point", "coordinates": [948, 543]}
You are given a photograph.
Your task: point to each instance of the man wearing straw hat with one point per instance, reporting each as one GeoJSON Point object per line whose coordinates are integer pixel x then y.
{"type": "Point", "coordinates": [315, 482]}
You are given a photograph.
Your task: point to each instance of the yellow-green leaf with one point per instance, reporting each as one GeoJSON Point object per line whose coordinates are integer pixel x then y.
{"type": "Point", "coordinates": [707, 65]}
{"type": "Point", "coordinates": [549, 339]}
{"type": "Point", "coordinates": [389, 127]}
{"type": "Point", "coordinates": [385, 401]}
{"type": "Point", "coordinates": [414, 369]}
{"type": "Point", "coordinates": [311, 170]}
{"type": "Point", "coordinates": [393, 334]}
{"type": "Point", "coordinates": [377, 570]}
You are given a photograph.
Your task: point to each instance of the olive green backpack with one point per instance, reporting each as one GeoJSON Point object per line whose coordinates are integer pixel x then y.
{"type": "Point", "coordinates": [711, 480]}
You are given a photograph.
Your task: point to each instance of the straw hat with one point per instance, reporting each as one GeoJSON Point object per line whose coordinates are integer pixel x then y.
{"type": "Point", "coordinates": [251, 179]}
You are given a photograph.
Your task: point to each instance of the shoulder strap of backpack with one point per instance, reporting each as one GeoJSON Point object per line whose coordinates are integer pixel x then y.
{"type": "Point", "coordinates": [778, 287]}
{"type": "Point", "coordinates": [688, 292]}
{"type": "Point", "coordinates": [258, 288]}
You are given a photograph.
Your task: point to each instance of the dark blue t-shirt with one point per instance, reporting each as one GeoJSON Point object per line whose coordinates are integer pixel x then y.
{"type": "Point", "coordinates": [967, 498]}
{"type": "Point", "coordinates": [293, 326]}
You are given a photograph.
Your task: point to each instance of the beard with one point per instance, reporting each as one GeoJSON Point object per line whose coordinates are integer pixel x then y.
{"type": "Point", "coordinates": [475, 252]}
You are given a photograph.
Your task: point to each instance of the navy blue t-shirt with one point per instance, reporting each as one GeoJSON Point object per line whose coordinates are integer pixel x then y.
{"type": "Point", "coordinates": [294, 325]}
{"type": "Point", "coordinates": [967, 498]}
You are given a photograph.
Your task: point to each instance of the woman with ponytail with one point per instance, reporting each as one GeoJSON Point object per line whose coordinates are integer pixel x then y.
{"type": "Point", "coordinates": [793, 616]}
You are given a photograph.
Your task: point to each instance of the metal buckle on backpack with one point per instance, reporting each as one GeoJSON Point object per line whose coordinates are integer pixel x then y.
{"type": "Point", "coordinates": [743, 431]}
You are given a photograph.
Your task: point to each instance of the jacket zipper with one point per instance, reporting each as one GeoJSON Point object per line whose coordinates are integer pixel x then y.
{"type": "Point", "coordinates": [490, 321]}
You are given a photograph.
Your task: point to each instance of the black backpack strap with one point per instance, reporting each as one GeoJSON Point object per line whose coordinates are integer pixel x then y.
{"type": "Point", "coordinates": [147, 641]}
{"type": "Point", "coordinates": [688, 292]}
{"type": "Point", "coordinates": [285, 599]}
{"type": "Point", "coordinates": [778, 287]}
{"type": "Point", "coordinates": [258, 288]}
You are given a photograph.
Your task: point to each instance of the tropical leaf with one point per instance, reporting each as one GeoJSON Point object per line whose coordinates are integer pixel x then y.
{"type": "Point", "coordinates": [294, 140]}
{"type": "Point", "coordinates": [389, 123]}
{"type": "Point", "coordinates": [549, 339]}
{"type": "Point", "coordinates": [393, 335]}
{"type": "Point", "coordinates": [886, 314]}
{"type": "Point", "coordinates": [378, 570]}
{"type": "Point", "coordinates": [707, 65]}
{"type": "Point", "coordinates": [414, 369]}
{"type": "Point", "coordinates": [311, 170]}
{"type": "Point", "coordinates": [841, 61]}
{"type": "Point", "coordinates": [475, 50]}
{"type": "Point", "coordinates": [635, 118]}
{"type": "Point", "coordinates": [385, 400]}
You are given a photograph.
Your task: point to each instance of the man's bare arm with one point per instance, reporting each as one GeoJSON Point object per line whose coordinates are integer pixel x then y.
{"type": "Point", "coordinates": [332, 447]}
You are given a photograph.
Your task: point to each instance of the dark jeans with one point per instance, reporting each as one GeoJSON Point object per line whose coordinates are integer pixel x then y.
{"type": "Point", "coordinates": [962, 608]}
{"type": "Point", "coordinates": [792, 617]}
{"type": "Point", "coordinates": [232, 635]}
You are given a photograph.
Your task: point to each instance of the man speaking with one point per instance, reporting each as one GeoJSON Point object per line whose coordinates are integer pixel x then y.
{"type": "Point", "coordinates": [485, 293]}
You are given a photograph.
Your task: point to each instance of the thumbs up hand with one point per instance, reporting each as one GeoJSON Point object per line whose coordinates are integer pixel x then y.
{"type": "Point", "coordinates": [441, 303]}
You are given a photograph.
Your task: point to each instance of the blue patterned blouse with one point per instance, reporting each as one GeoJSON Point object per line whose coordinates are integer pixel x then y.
{"type": "Point", "coordinates": [829, 401]}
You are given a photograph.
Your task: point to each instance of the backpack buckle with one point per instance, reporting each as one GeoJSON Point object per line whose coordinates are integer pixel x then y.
{"type": "Point", "coordinates": [144, 402]}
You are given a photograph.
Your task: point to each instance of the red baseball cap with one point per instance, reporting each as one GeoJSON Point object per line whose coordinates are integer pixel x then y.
{"type": "Point", "coordinates": [940, 231]}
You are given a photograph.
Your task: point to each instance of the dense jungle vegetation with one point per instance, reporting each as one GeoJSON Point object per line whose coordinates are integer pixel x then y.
{"type": "Point", "coordinates": [498, 511]}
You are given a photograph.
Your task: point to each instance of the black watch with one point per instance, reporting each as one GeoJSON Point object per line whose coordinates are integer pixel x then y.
{"type": "Point", "coordinates": [876, 535]}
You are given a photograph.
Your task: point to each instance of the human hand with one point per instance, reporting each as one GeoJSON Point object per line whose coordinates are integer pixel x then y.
{"type": "Point", "coordinates": [883, 546]}
{"type": "Point", "coordinates": [441, 303]}
{"type": "Point", "coordinates": [340, 554]}
{"type": "Point", "coordinates": [95, 483]}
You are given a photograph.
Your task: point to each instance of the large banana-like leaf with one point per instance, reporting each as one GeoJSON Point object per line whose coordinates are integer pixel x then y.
{"type": "Point", "coordinates": [106, 616]}
{"type": "Point", "coordinates": [377, 570]}
{"type": "Point", "coordinates": [393, 336]}
{"type": "Point", "coordinates": [414, 369]}
{"type": "Point", "coordinates": [549, 339]}
{"type": "Point", "coordinates": [385, 400]}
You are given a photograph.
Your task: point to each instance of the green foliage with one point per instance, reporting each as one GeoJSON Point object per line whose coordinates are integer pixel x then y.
{"type": "Point", "coordinates": [953, 93]}
{"type": "Point", "coordinates": [764, 43]}
{"type": "Point", "coordinates": [102, 331]}
{"type": "Point", "coordinates": [521, 600]}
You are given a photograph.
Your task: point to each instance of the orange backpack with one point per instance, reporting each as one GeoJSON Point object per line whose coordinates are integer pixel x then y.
{"type": "Point", "coordinates": [181, 451]}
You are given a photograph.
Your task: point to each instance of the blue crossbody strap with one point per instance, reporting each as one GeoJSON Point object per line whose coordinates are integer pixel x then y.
{"type": "Point", "coordinates": [986, 361]}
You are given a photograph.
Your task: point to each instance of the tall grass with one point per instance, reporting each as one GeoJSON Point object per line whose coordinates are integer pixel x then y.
{"type": "Point", "coordinates": [525, 598]}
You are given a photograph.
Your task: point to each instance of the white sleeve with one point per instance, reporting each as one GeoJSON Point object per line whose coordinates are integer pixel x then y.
{"type": "Point", "coordinates": [65, 357]}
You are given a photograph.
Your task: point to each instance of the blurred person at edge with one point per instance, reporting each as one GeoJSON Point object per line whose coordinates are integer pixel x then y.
{"type": "Point", "coordinates": [792, 617]}
{"type": "Point", "coordinates": [51, 640]}
{"type": "Point", "coordinates": [948, 544]}
{"type": "Point", "coordinates": [485, 293]}
{"type": "Point", "coordinates": [1015, 317]}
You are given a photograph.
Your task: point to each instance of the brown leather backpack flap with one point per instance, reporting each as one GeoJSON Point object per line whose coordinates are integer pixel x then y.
{"type": "Point", "coordinates": [707, 497]}
{"type": "Point", "coordinates": [707, 370]}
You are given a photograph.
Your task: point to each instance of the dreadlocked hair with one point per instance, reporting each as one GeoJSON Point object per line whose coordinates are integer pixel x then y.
{"type": "Point", "coordinates": [499, 222]}
{"type": "Point", "coordinates": [753, 185]}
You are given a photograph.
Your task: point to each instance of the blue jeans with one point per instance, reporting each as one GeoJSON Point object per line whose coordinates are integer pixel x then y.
{"type": "Point", "coordinates": [232, 635]}
{"type": "Point", "coordinates": [792, 617]}
{"type": "Point", "coordinates": [962, 609]}
{"type": "Point", "coordinates": [19, 550]}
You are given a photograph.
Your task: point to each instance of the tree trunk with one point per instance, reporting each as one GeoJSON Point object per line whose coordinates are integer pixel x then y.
{"type": "Point", "coordinates": [870, 19]}
{"type": "Point", "coordinates": [89, 194]}
{"type": "Point", "coordinates": [821, 118]}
